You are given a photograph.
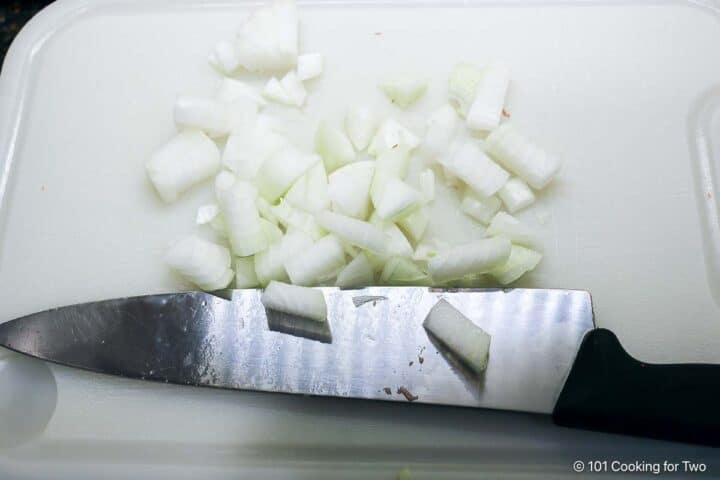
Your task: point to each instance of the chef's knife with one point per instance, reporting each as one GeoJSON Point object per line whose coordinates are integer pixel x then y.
{"type": "Point", "coordinates": [546, 355]}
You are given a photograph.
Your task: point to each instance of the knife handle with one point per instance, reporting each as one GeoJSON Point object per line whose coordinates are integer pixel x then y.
{"type": "Point", "coordinates": [608, 390]}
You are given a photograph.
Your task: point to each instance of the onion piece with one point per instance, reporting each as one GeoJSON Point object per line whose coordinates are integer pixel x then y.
{"type": "Point", "coordinates": [425, 252]}
{"type": "Point", "coordinates": [281, 170]}
{"type": "Point", "coordinates": [271, 231]}
{"type": "Point", "coordinates": [506, 226]}
{"type": "Point", "coordinates": [294, 300]}
{"type": "Point", "coordinates": [224, 57]}
{"type": "Point", "coordinates": [317, 264]}
{"type": "Point", "coordinates": [477, 257]}
{"type": "Point", "coordinates": [309, 66]}
{"type": "Point", "coordinates": [476, 169]}
{"type": "Point", "coordinates": [486, 109]}
{"type": "Point", "coordinates": [397, 243]}
{"type": "Point", "coordinates": [187, 159]}
{"type": "Point", "coordinates": [349, 189]}
{"type": "Point", "coordinates": [404, 90]}
{"type": "Point", "coordinates": [245, 276]}
{"type": "Point", "coordinates": [310, 192]}
{"type": "Point", "coordinates": [402, 271]}
{"type": "Point", "coordinates": [246, 150]}
{"type": "Point", "coordinates": [391, 135]}
{"type": "Point", "coordinates": [275, 92]}
{"type": "Point", "coordinates": [521, 156]}
{"type": "Point", "coordinates": [516, 195]}
{"type": "Point", "coordinates": [441, 128]}
{"type": "Point", "coordinates": [426, 184]}
{"type": "Point", "coordinates": [482, 209]}
{"type": "Point", "coordinates": [521, 261]}
{"type": "Point", "coordinates": [391, 164]}
{"type": "Point", "coordinates": [463, 84]}
{"type": "Point", "coordinates": [333, 146]}
{"type": "Point", "coordinates": [297, 220]}
{"type": "Point", "coordinates": [357, 273]}
{"type": "Point", "coordinates": [242, 114]}
{"type": "Point", "coordinates": [206, 213]}
{"type": "Point", "coordinates": [415, 224]}
{"type": "Point", "coordinates": [236, 199]}
{"type": "Point", "coordinates": [294, 88]}
{"type": "Point", "coordinates": [397, 201]}
{"type": "Point", "coordinates": [206, 114]}
{"type": "Point", "coordinates": [203, 263]}
{"type": "Point", "coordinates": [265, 210]}
{"type": "Point", "coordinates": [232, 90]}
{"type": "Point", "coordinates": [268, 39]}
{"type": "Point", "coordinates": [467, 341]}
{"type": "Point", "coordinates": [356, 232]}
{"type": "Point", "coordinates": [360, 126]}
{"type": "Point", "coordinates": [270, 263]}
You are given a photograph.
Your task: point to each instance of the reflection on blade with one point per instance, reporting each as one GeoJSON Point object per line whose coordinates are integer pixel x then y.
{"type": "Point", "coordinates": [201, 339]}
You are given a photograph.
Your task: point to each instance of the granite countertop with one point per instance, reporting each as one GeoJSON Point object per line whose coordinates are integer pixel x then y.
{"type": "Point", "coordinates": [13, 15]}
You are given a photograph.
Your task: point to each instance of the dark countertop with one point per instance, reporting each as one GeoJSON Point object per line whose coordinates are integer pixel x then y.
{"type": "Point", "coordinates": [13, 15]}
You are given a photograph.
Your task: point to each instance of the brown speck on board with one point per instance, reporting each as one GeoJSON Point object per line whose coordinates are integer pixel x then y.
{"type": "Point", "coordinates": [387, 391]}
{"type": "Point", "coordinates": [407, 394]}
{"type": "Point", "coordinates": [410, 364]}
{"type": "Point", "coordinates": [42, 188]}
{"type": "Point", "coordinates": [377, 34]}
{"type": "Point", "coordinates": [505, 113]}
{"type": "Point", "coordinates": [395, 146]}
{"type": "Point", "coordinates": [421, 360]}
{"type": "Point", "coordinates": [709, 195]}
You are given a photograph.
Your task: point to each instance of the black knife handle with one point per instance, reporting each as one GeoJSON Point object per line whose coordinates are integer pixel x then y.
{"type": "Point", "coordinates": [608, 390]}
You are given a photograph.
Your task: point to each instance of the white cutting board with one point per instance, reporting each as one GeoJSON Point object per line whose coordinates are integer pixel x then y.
{"type": "Point", "coordinates": [616, 89]}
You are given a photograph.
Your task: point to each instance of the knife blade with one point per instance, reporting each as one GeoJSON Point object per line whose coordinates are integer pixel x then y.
{"type": "Point", "coordinates": [374, 346]}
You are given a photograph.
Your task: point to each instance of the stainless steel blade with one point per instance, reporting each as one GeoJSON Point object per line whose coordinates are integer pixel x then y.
{"type": "Point", "coordinates": [378, 344]}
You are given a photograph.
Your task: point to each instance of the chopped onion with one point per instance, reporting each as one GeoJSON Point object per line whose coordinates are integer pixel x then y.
{"type": "Point", "coordinates": [309, 65]}
{"type": "Point", "coordinates": [397, 243]}
{"type": "Point", "coordinates": [272, 231]}
{"type": "Point", "coordinates": [360, 126]}
{"type": "Point", "coordinates": [415, 224]}
{"type": "Point", "coordinates": [356, 232]}
{"type": "Point", "coordinates": [425, 252]}
{"type": "Point", "coordinates": [397, 201]}
{"type": "Point", "coordinates": [265, 210]}
{"type": "Point", "coordinates": [402, 271]}
{"type": "Point", "coordinates": [463, 84]}
{"type": "Point", "coordinates": [426, 181]}
{"type": "Point", "coordinates": [275, 92]}
{"type": "Point", "coordinates": [487, 106]}
{"type": "Point", "coordinates": [482, 209]}
{"type": "Point", "coordinates": [281, 170]}
{"type": "Point", "coordinates": [476, 169]}
{"type": "Point", "coordinates": [225, 57]}
{"type": "Point", "coordinates": [206, 114]}
{"type": "Point", "coordinates": [451, 180]}
{"type": "Point", "coordinates": [357, 273]}
{"type": "Point", "coordinates": [310, 192]}
{"type": "Point", "coordinates": [404, 90]}
{"type": "Point", "coordinates": [268, 39]}
{"type": "Point", "coordinates": [187, 159]}
{"type": "Point", "coordinates": [516, 195]}
{"type": "Point", "coordinates": [349, 189]}
{"type": "Point", "coordinates": [521, 156]}
{"type": "Point", "coordinates": [521, 261]}
{"type": "Point", "coordinates": [477, 257]}
{"type": "Point", "coordinates": [242, 114]}
{"type": "Point", "coordinates": [232, 90]}
{"type": "Point", "coordinates": [203, 263]}
{"type": "Point", "coordinates": [246, 150]}
{"type": "Point", "coordinates": [245, 276]}
{"type": "Point", "coordinates": [391, 164]}
{"type": "Point", "coordinates": [506, 226]}
{"type": "Point", "coordinates": [270, 263]}
{"type": "Point", "coordinates": [441, 130]}
{"type": "Point", "coordinates": [294, 88]}
{"type": "Point", "coordinates": [297, 220]}
{"type": "Point", "coordinates": [333, 146]}
{"type": "Point", "coordinates": [467, 341]}
{"type": "Point", "coordinates": [236, 199]}
{"type": "Point", "coordinates": [317, 264]}
{"type": "Point", "coordinates": [294, 300]}
{"type": "Point", "coordinates": [206, 213]}
{"type": "Point", "coordinates": [391, 135]}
